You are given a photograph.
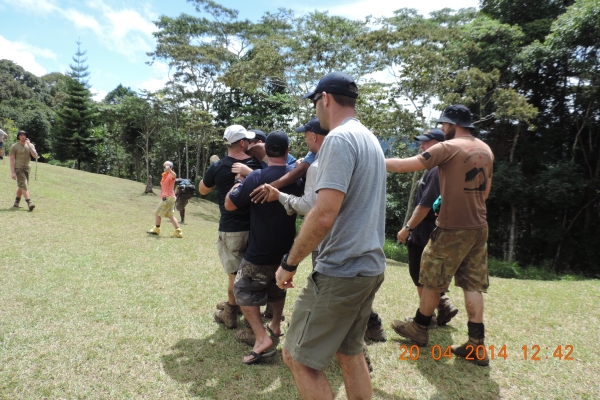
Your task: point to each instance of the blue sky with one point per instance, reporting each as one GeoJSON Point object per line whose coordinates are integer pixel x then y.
{"type": "Point", "coordinates": [41, 35]}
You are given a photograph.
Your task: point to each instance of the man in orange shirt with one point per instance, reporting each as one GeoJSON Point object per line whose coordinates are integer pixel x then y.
{"type": "Point", "coordinates": [165, 208]}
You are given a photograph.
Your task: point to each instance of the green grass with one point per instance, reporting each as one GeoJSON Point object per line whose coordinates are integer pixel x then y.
{"type": "Point", "coordinates": [92, 307]}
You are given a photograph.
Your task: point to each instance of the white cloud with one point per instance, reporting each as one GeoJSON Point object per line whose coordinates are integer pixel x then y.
{"type": "Point", "coordinates": [161, 77]}
{"type": "Point", "coordinates": [38, 6]}
{"type": "Point", "coordinates": [24, 54]}
{"type": "Point", "coordinates": [98, 95]}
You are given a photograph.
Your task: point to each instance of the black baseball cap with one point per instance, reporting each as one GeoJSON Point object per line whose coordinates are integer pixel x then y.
{"type": "Point", "coordinates": [277, 139]}
{"type": "Point", "coordinates": [457, 114]}
{"type": "Point", "coordinates": [433, 134]}
{"type": "Point", "coordinates": [335, 82]}
{"type": "Point", "coordinates": [313, 126]}
{"type": "Point", "coordinates": [259, 135]}
{"type": "Point", "coordinates": [21, 133]}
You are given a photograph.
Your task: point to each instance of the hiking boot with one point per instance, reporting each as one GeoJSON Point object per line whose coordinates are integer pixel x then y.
{"type": "Point", "coordinates": [432, 325]}
{"type": "Point", "coordinates": [31, 206]}
{"type": "Point", "coordinates": [375, 330]}
{"type": "Point", "coordinates": [446, 311]}
{"type": "Point", "coordinates": [154, 231]}
{"type": "Point", "coordinates": [227, 316]}
{"type": "Point", "coordinates": [177, 233]}
{"type": "Point", "coordinates": [245, 336]}
{"type": "Point", "coordinates": [221, 306]}
{"type": "Point", "coordinates": [17, 205]}
{"type": "Point", "coordinates": [476, 355]}
{"type": "Point", "coordinates": [367, 359]}
{"type": "Point", "coordinates": [411, 330]}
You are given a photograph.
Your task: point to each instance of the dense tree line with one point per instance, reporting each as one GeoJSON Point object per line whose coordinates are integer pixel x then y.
{"type": "Point", "coordinates": [531, 77]}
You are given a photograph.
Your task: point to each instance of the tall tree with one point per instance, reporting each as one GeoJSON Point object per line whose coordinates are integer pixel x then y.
{"type": "Point", "coordinates": [79, 71]}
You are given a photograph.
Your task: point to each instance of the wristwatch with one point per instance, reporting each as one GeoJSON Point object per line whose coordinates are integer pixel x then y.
{"type": "Point", "coordinates": [408, 228]}
{"type": "Point", "coordinates": [286, 266]}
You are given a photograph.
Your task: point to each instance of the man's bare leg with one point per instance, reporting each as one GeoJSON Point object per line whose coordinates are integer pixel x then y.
{"type": "Point", "coordinates": [356, 376]}
{"type": "Point", "coordinates": [311, 383]}
{"type": "Point", "coordinates": [474, 306]}
{"type": "Point", "coordinates": [275, 324]}
{"type": "Point", "coordinates": [429, 301]}
{"type": "Point", "coordinates": [263, 341]}
{"type": "Point", "coordinates": [157, 220]}
{"type": "Point", "coordinates": [230, 295]}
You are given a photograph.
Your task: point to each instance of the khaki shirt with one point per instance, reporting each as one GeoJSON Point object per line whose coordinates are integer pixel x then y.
{"type": "Point", "coordinates": [21, 154]}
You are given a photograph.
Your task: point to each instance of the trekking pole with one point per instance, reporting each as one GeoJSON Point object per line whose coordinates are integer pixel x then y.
{"type": "Point", "coordinates": [36, 168]}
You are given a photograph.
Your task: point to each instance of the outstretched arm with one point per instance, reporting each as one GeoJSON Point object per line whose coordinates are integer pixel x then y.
{"type": "Point", "coordinates": [402, 165]}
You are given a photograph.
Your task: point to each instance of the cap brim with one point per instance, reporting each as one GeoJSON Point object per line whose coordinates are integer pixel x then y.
{"type": "Point", "coordinates": [301, 129]}
{"type": "Point", "coordinates": [250, 135]}
{"type": "Point", "coordinates": [422, 138]}
{"type": "Point", "coordinates": [310, 95]}
{"type": "Point", "coordinates": [445, 119]}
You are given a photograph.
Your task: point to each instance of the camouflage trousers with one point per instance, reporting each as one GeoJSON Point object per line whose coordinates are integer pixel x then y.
{"type": "Point", "coordinates": [461, 254]}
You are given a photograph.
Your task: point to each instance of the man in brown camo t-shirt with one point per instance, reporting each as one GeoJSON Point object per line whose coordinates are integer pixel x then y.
{"type": "Point", "coordinates": [458, 246]}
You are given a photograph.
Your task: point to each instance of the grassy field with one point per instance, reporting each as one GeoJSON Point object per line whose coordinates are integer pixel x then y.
{"type": "Point", "coordinates": [93, 307]}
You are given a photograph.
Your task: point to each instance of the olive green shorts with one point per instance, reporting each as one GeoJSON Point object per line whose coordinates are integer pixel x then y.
{"type": "Point", "coordinates": [165, 208]}
{"type": "Point", "coordinates": [461, 254]}
{"type": "Point", "coordinates": [330, 315]}
{"type": "Point", "coordinates": [232, 247]}
{"type": "Point", "coordinates": [22, 178]}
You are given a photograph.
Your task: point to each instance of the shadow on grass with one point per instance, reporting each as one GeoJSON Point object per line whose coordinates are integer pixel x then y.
{"type": "Point", "coordinates": [13, 209]}
{"type": "Point", "coordinates": [213, 368]}
{"type": "Point", "coordinates": [206, 217]}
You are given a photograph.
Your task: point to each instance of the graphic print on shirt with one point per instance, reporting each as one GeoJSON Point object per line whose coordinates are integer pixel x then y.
{"type": "Point", "coordinates": [475, 178]}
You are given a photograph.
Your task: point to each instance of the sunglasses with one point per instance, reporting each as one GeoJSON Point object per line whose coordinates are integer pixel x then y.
{"type": "Point", "coordinates": [316, 99]}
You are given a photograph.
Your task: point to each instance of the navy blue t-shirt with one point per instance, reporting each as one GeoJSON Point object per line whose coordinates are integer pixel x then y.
{"type": "Point", "coordinates": [272, 231]}
{"type": "Point", "coordinates": [219, 173]}
{"type": "Point", "coordinates": [427, 193]}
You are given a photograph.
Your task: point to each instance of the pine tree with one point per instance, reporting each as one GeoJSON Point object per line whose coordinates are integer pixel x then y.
{"type": "Point", "coordinates": [79, 71]}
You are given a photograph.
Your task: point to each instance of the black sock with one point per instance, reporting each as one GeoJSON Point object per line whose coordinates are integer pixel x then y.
{"type": "Point", "coordinates": [476, 331]}
{"type": "Point", "coordinates": [17, 199]}
{"type": "Point", "coordinates": [422, 319]}
{"type": "Point", "coordinates": [27, 200]}
{"type": "Point", "coordinates": [158, 226]}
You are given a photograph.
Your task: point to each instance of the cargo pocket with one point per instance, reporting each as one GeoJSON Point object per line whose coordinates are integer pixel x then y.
{"type": "Point", "coordinates": [304, 327]}
{"type": "Point", "coordinates": [433, 271]}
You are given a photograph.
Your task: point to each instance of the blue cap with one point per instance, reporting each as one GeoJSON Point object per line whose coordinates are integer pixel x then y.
{"type": "Point", "coordinates": [312, 126]}
{"type": "Point", "coordinates": [277, 139]}
{"type": "Point", "coordinates": [336, 82]}
{"type": "Point", "coordinates": [434, 134]}
{"type": "Point", "coordinates": [259, 135]}
{"type": "Point", "coordinates": [457, 114]}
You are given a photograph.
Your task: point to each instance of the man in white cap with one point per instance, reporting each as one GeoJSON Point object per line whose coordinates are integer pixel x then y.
{"type": "Point", "coordinates": [234, 226]}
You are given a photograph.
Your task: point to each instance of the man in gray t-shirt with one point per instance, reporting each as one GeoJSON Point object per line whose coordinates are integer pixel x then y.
{"type": "Point", "coordinates": [348, 222]}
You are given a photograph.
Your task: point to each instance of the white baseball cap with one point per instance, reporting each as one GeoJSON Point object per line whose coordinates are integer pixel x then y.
{"type": "Point", "coordinates": [235, 133]}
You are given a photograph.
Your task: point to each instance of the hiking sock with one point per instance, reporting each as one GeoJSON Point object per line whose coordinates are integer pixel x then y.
{"type": "Point", "coordinates": [27, 200]}
{"type": "Point", "coordinates": [158, 226]}
{"type": "Point", "coordinates": [422, 319]}
{"type": "Point", "coordinates": [442, 294]}
{"type": "Point", "coordinates": [17, 200]}
{"type": "Point", "coordinates": [476, 331]}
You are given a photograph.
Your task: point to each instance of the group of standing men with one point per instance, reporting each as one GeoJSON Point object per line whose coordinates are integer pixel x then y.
{"type": "Point", "coordinates": [344, 203]}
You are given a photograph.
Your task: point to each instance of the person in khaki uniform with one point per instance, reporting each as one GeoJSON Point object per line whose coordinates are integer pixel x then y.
{"type": "Point", "coordinates": [20, 158]}
{"type": "Point", "coordinates": [458, 245]}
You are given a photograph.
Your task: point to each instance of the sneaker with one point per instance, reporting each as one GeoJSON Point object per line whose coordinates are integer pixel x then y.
{"type": "Point", "coordinates": [474, 356]}
{"type": "Point", "coordinates": [411, 330]}
{"type": "Point", "coordinates": [432, 325]}
{"type": "Point", "coordinates": [177, 233]}
{"type": "Point", "coordinates": [154, 231]}
{"type": "Point", "coordinates": [227, 316]}
{"type": "Point", "coordinates": [31, 206]}
{"type": "Point", "coordinates": [446, 311]}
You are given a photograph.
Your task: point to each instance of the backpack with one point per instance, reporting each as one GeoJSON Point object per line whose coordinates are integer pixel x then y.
{"type": "Point", "coordinates": [186, 188]}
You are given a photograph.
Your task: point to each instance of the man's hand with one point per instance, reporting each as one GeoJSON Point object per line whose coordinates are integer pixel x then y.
{"type": "Point", "coordinates": [403, 235]}
{"type": "Point", "coordinates": [284, 278]}
{"type": "Point", "coordinates": [260, 194]}
{"type": "Point", "coordinates": [13, 175]}
{"type": "Point", "coordinates": [242, 169]}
